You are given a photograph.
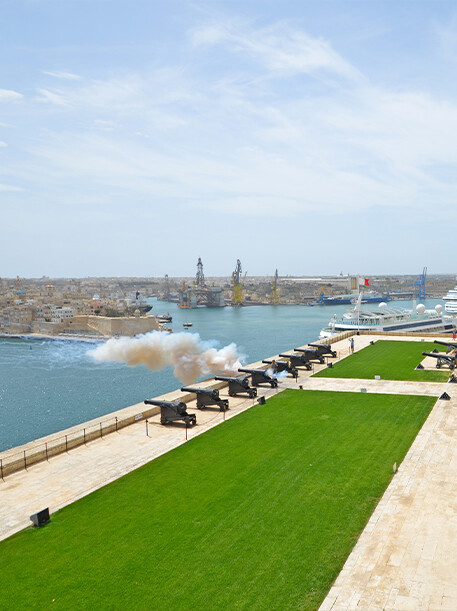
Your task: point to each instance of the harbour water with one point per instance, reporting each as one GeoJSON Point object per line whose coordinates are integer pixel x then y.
{"type": "Point", "coordinates": [49, 385]}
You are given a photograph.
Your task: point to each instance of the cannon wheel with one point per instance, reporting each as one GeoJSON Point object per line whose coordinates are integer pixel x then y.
{"type": "Point", "coordinates": [231, 393]}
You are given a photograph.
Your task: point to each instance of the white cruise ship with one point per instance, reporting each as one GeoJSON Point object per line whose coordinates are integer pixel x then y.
{"type": "Point", "coordinates": [450, 300]}
{"type": "Point", "coordinates": [390, 319]}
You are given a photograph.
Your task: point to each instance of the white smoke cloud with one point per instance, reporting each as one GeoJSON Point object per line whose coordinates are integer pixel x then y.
{"type": "Point", "coordinates": [185, 352]}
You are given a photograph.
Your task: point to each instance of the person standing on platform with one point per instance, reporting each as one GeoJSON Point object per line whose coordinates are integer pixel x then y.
{"type": "Point", "coordinates": [351, 344]}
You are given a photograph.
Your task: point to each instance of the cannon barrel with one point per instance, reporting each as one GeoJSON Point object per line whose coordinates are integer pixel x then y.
{"type": "Point", "coordinates": [438, 355]}
{"type": "Point", "coordinates": [175, 405]}
{"type": "Point", "coordinates": [453, 344]}
{"type": "Point", "coordinates": [245, 370]}
{"type": "Point", "coordinates": [211, 392]}
{"type": "Point", "coordinates": [243, 380]}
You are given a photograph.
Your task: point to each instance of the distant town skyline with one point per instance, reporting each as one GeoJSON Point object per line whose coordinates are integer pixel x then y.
{"type": "Point", "coordinates": [313, 137]}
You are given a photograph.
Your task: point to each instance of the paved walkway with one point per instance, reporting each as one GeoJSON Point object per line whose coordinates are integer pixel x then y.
{"type": "Point", "coordinates": [405, 557]}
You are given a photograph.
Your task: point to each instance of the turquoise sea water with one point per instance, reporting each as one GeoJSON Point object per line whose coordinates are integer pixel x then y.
{"type": "Point", "coordinates": [46, 386]}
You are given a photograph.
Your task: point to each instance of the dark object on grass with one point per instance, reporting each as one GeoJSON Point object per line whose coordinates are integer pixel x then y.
{"type": "Point", "coordinates": [238, 385]}
{"type": "Point", "coordinates": [207, 397]}
{"type": "Point", "coordinates": [283, 366]}
{"type": "Point", "coordinates": [260, 376]}
{"type": "Point", "coordinates": [442, 359]}
{"type": "Point", "coordinates": [40, 518]}
{"type": "Point", "coordinates": [171, 411]}
{"type": "Point", "coordinates": [261, 400]}
{"type": "Point", "coordinates": [324, 349]}
{"type": "Point", "coordinates": [420, 366]}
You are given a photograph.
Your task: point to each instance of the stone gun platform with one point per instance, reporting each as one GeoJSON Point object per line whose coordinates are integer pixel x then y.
{"type": "Point", "coordinates": [404, 559]}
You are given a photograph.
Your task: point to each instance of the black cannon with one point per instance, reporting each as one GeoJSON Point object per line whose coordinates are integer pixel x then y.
{"type": "Point", "coordinates": [207, 397]}
{"type": "Point", "coordinates": [297, 360]}
{"type": "Point", "coordinates": [311, 355]}
{"type": "Point", "coordinates": [450, 345]}
{"type": "Point", "coordinates": [324, 349]}
{"type": "Point", "coordinates": [283, 366]}
{"type": "Point", "coordinates": [171, 411]}
{"type": "Point", "coordinates": [260, 376]}
{"type": "Point", "coordinates": [238, 385]}
{"type": "Point", "coordinates": [447, 360]}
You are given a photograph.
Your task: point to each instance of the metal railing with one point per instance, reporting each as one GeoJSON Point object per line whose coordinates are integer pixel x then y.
{"type": "Point", "coordinates": [14, 460]}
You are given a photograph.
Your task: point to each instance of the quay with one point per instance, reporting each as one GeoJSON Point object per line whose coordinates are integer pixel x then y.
{"type": "Point", "coordinates": [404, 558]}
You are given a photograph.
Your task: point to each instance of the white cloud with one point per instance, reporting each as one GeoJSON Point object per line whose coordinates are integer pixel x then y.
{"type": "Point", "coordinates": [68, 76]}
{"type": "Point", "coordinates": [10, 188]}
{"type": "Point", "coordinates": [7, 95]}
{"type": "Point", "coordinates": [52, 97]}
{"type": "Point", "coordinates": [280, 48]}
{"type": "Point", "coordinates": [2, 144]}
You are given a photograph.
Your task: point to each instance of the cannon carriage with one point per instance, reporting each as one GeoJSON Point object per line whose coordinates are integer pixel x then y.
{"type": "Point", "coordinates": [310, 354]}
{"type": "Point", "coordinates": [446, 360]}
{"type": "Point", "coordinates": [172, 411]}
{"type": "Point", "coordinates": [283, 366]}
{"type": "Point", "coordinates": [238, 385]}
{"type": "Point", "coordinates": [324, 349]}
{"type": "Point", "coordinates": [207, 397]}
{"type": "Point", "coordinates": [260, 376]}
{"type": "Point", "coordinates": [297, 360]}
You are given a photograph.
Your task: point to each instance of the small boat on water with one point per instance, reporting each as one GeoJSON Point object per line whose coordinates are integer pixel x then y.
{"type": "Point", "coordinates": [389, 319]}
{"type": "Point", "coordinates": [186, 325]}
{"type": "Point", "coordinates": [164, 317]}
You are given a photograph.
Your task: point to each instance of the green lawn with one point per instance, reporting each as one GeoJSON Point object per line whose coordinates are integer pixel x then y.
{"type": "Point", "coordinates": [258, 513]}
{"type": "Point", "coordinates": [392, 360]}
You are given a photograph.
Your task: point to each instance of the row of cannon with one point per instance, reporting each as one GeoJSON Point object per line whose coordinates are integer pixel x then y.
{"type": "Point", "coordinates": [172, 411]}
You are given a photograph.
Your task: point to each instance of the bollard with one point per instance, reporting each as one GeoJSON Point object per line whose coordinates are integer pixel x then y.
{"type": "Point", "coordinates": [46, 447]}
{"type": "Point", "coordinates": [147, 430]}
{"type": "Point", "coordinates": [84, 436]}
{"type": "Point", "coordinates": [116, 423]}
{"type": "Point", "coordinates": [1, 468]}
{"type": "Point", "coordinates": [66, 444]}
{"type": "Point", "coordinates": [101, 430]}
{"type": "Point", "coordinates": [25, 462]}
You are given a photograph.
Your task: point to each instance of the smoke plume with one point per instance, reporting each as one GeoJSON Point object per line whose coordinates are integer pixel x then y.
{"type": "Point", "coordinates": [189, 356]}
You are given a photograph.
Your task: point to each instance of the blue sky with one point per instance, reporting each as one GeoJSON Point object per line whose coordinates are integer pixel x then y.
{"type": "Point", "coordinates": [310, 136]}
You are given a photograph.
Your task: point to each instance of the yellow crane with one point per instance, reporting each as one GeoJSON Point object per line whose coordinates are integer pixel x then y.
{"type": "Point", "coordinates": [274, 290]}
{"type": "Point", "coordinates": [237, 291]}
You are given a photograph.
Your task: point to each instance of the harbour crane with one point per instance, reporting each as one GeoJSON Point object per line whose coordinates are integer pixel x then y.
{"type": "Point", "coordinates": [237, 291]}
